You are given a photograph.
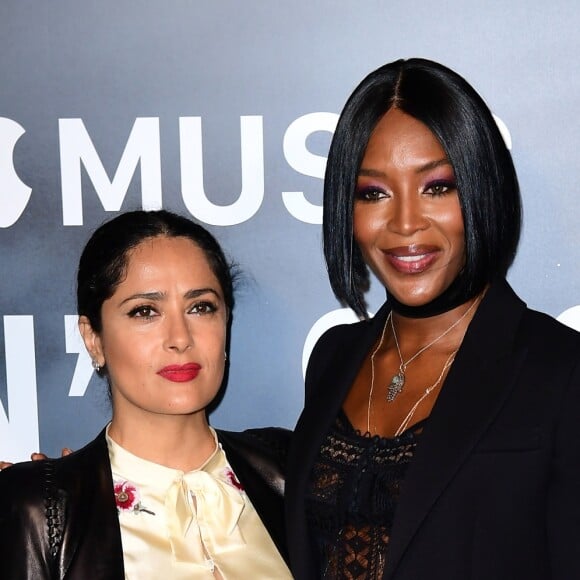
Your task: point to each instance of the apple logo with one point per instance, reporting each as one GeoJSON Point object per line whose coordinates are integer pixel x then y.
{"type": "Point", "coordinates": [14, 194]}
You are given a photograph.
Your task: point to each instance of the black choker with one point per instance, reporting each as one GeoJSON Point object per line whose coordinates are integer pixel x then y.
{"type": "Point", "coordinates": [458, 293]}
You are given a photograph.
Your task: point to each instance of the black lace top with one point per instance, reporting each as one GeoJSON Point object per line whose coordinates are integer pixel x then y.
{"type": "Point", "coordinates": [352, 496]}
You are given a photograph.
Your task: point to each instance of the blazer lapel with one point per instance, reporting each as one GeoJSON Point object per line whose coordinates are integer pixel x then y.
{"type": "Point", "coordinates": [338, 375]}
{"type": "Point", "coordinates": [476, 387]}
{"type": "Point", "coordinates": [92, 540]}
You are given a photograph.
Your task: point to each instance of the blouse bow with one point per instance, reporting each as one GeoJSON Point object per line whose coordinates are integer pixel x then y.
{"type": "Point", "coordinates": [204, 520]}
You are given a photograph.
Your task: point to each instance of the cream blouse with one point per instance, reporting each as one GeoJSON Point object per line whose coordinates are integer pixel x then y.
{"type": "Point", "coordinates": [194, 525]}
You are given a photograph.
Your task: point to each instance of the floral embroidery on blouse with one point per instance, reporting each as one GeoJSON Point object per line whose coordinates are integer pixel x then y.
{"type": "Point", "coordinates": [128, 498]}
{"type": "Point", "coordinates": [232, 479]}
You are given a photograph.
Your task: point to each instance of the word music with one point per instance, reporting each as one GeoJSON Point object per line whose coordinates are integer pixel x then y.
{"type": "Point", "coordinates": [143, 150]}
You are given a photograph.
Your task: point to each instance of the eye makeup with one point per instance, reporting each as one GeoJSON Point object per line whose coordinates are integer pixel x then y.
{"type": "Point", "coordinates": [369, 192]}
{"type": "Point", "coordinates": [438, 187]}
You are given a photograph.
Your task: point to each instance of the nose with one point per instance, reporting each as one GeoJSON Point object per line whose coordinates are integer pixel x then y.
{"type": "Point", "coordinates": [179, 336]}
{"type": "Point", "coordinates": [406, 215]}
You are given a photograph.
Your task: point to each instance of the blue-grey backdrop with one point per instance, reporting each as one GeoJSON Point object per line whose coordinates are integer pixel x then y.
{"type": "Point", "coordinates": [224, 111]}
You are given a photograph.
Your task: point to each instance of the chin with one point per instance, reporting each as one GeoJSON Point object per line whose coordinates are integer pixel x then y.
{"type": "Point", "coordinates": [182, 407]}
{"type": "Point", "coordinates": [416, 297]}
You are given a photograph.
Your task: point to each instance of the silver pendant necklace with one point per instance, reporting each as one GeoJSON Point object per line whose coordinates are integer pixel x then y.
{"type": "Point", "coordinates": [398, 380]}
{"type": "Point", "coordinates": [396, 385]}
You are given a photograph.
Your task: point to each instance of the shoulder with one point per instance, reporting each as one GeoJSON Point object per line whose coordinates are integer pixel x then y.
{"type": "Point", "coordinates": [506, 317]}
{"type": "Point", "coordinates": [91, 454]}
{"type": "Point", "coordinates": [268, 442]}
{"type": "Point", "coordinates": [538, 326]}
{"type": "Point", "coordinates": [551, 345]}
{"type": "Point", "coordinates": [32, 513]}
{"type": "Point", "coordinates": [344, 342]}
{"type": "Point", "coordinates": [30, 500]}
{"type": "Point", "coordinates": [46, 507]}
{"type": "Point", "coordinates": [24, 525]}
{"type": "Point", "coordinates": [550, 349]}
{"type": "Point", "coordinates": [341, 331]}
{"type": "Point", "coordinates": [258, 457]}
{"type": "Point", "coordinates": [28, 489]}
{"type": "Point", "coordinates": [337, 337]}
{"type": "Point", "coordinates": [28, 482]}
{"type": "Point", "coordinates": [23, 483]}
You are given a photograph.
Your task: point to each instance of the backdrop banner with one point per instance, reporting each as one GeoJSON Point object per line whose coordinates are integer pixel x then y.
{"type": "Point", "coordinates": [223, 111]}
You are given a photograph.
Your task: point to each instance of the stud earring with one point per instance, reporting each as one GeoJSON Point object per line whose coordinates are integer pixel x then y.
{"type": "Point", "coordinates": [96, 366]}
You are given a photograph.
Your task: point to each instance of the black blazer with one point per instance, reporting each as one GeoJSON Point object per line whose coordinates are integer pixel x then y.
{"type": "Point", "coordinates": [58, 518]}
{"type": "Point", "coordinates": [493, 492]}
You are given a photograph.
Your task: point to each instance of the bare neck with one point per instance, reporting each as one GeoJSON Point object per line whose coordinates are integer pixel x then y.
{"type": "Point", "coordinates": [414, 333]}
{"type": "Point", "coordinates": [181, 442]}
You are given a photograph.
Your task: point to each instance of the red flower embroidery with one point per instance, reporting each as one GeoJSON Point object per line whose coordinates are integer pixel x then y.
{"type": "Point", "coordinates": [127, 498]}
{"type": "Point", "coordinates": [232, 479]}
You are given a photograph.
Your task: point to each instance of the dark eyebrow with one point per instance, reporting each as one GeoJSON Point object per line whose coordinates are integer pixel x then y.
{"type": "Point", "coordinates": [433, 165]}
{"type": "Point", "coordinates": [201, 291]}
{"type": "Point", "coordinates": [420, 169]}
{"type": "Point", "coordinates": [158, 296]}
{"type": "Point", "coordinates": [371, 172]}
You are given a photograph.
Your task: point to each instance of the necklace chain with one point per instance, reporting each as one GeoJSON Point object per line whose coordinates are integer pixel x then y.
{"type": "Point", "coordinates": [399, 387]}
{"type": "Point", "coordinates": [428, 390]}
{"type": "Point", "coordinates": [398, 381]}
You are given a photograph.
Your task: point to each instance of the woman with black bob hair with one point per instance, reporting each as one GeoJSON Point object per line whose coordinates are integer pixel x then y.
{"type": "Point", "coordinates": [158, 493]}
{"type": "Point", "coordinates": [486, 180]}
{"type": "Point", "coordinates": [439, 438]}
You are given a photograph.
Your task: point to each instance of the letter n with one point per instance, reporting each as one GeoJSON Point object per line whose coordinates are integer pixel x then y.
{"type": "Point", "coordinates": [19, 425]}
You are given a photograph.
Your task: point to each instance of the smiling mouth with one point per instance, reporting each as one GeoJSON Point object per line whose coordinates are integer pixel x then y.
{"type": "Point", "coordinates": [412, 259]}
{"type": "Point", "coordinates": [180, 373]}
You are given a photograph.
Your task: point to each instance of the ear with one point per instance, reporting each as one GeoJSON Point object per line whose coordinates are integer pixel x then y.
{"type": "Point", "coordinates": [92, 341]}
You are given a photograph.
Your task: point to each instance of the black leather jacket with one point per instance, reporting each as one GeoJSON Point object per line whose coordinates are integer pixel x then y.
{"type": "Point", "coordinates": [58, 517]}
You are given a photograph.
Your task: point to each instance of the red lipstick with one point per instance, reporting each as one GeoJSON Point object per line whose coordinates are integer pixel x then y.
{"type": "Point", "coordinates": [180, 373]}
{"type": "Point", "coordinates": [413, 259]}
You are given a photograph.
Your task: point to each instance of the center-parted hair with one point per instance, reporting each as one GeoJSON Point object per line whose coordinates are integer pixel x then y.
{"type": "Point", "coordinates": [486, 179]}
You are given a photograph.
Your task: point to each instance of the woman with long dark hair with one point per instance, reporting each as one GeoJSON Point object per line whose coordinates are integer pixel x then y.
{"type": "Point", "coordinates": [158, 493]}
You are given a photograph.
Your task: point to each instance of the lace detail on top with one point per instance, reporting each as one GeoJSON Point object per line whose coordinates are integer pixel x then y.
{"type": "Point", "coordinates": [352, 496]}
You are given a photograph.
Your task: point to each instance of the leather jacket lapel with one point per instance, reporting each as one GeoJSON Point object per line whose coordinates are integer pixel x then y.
{"type": "Point", "coordinates": [257, 458]}
{"type": "Point", "coordinates": [91, 545]}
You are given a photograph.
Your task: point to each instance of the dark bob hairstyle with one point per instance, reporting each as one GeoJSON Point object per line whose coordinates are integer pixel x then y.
{"type": "Point", "coordinates": [486, 179]}
{"type": "Point", "coordinates": [103, 262]}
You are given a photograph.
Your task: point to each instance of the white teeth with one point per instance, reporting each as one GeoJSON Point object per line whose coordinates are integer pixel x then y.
{"type": "Point", "coordinates": [411, 258]}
